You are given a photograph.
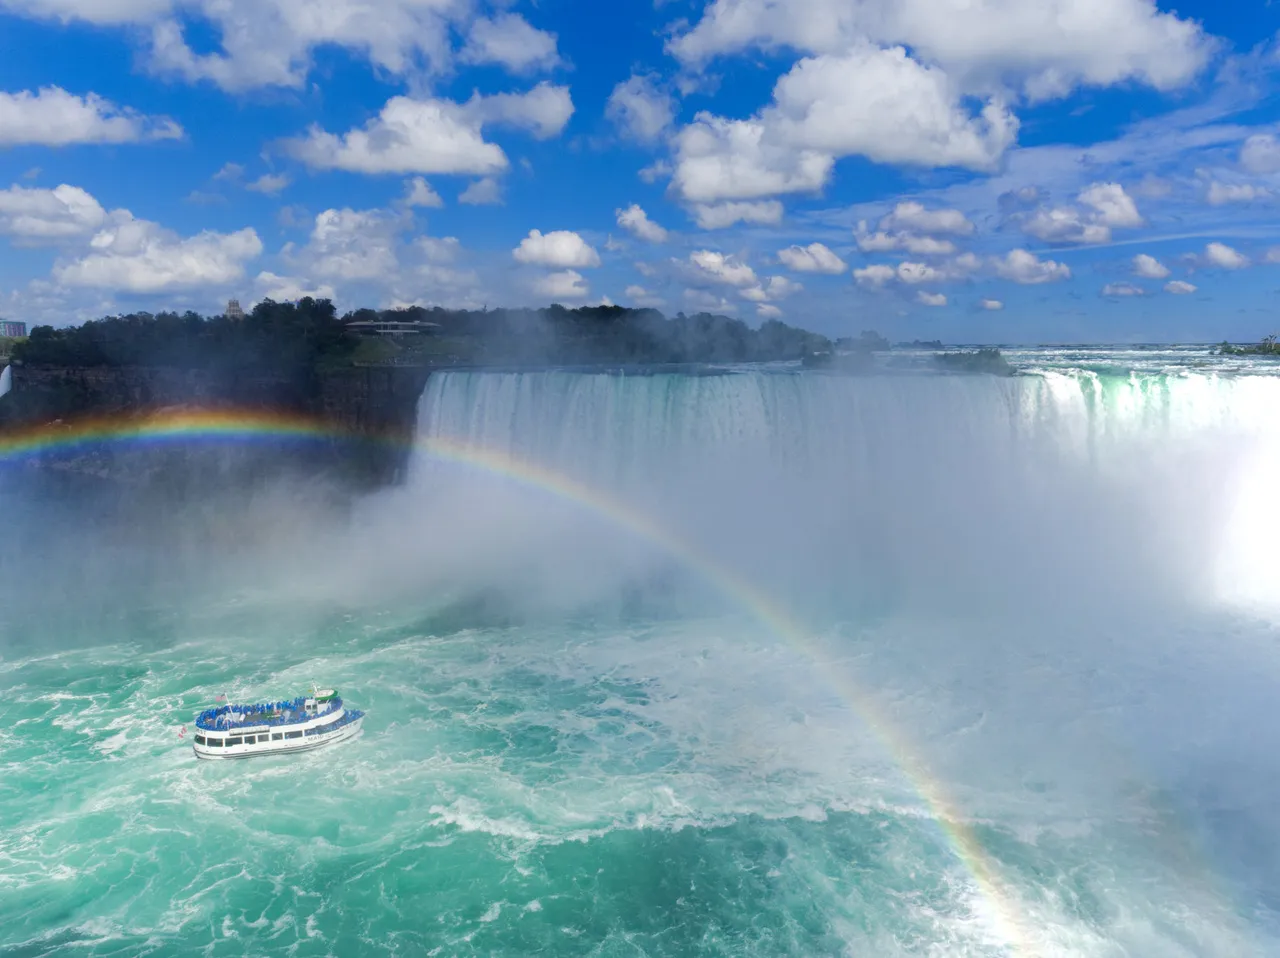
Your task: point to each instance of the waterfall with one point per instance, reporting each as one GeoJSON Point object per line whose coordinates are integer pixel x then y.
{"type": "Point", "coordinates": [932, 487]}
{"type": "Point", "coordinates": [6, 380]}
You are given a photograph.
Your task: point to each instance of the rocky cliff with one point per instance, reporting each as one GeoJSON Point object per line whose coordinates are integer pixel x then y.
{"type": "Point", "coordinates": [371, 409]}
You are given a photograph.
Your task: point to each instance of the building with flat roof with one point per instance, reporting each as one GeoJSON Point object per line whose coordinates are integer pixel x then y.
{"type": "Point", "coordinates": [233, 309]}
{"type": "Point", "coordinates": [12, 329]}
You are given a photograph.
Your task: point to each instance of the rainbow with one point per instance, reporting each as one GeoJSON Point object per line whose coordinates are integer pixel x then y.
{"type": "Point", "coordinates": [203, 426]}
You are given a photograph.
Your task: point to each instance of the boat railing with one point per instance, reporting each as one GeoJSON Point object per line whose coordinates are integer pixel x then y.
{"type": "Point", "coordinates": [269, 714]}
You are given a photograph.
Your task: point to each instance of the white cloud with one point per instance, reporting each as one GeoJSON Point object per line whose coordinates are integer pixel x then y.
{"type": "Point", "coordinates": [1048, 47]}
{"type": "Point", "coordinates": [1148, 267]}
{"type": "Point", "coordinates": [1122, 290]}
{"type": "Point", "coordinates": [37, 217]}
{"type": "Point", "coordinates": [560, 249]}
{"type": "Point", "coordinates": [438, 249]}
{"type": "Point", "coordinates": [54, 117]}
{"type": "Point", "coordinates": [418, 192]}
{"type": "Point", "coordinates": [913, 274]}
{"type": "Point", "coordinates": [270, 42]}
{"type": "Point", "coordinates": [991, 305]}
{"type": "Point", "coordinates": [640, 109]}
{"type": "Point", "coordinates": [485, 192]}
{"type": "Point", "coordinates": [719, 268]}
{"type": "Point", "coordinates": [767, 311]}
{"type": "Point", "coordinates": [230, 173]}
{"type": "Point", "coordinates": [566, 284]}
{"type": "Point", "coordinates": [881, 242]}
{"type": "Point", "coordinates": [543, 111]}
{"type": "Point", "coordinates": [1112, 206]}
{"type": "Point", "coordinates": [778, 287]}
{"type": "Point", "coordinates": [1179, 288]}
{"type": "Point", "coordinates": [884, 241]}
{"type": "Point", "coordinates": [1261, 154]}
{"type": "Point", "coordinates": [269, 184]}
{"type": "Point", "coordinates": [931, 299]}
{"type": "Point", "coordinates": [876, 276]}
{"type": "Point", "coordinates": [905, 113]}
{"type": "Point", "coordinates": [436, 136]}
{"type": "Point", "coordinates": [1065, 225]}
{"type": "Point", "coordinates": [720, 216]}
{"type": "Point", "coordinates": [1023, 267]}
{"type": "Point", "coordinates": [139, 256]}
{"type": "Point", "coordinates": [814, 258]}
{"type": "Point", "coordinates": [927, 245]}
{"type": "Point", "coordinates": [287, 289]}
{"type": "Point", "coordinates": [352, 246]}
{"type": "Point", "coordinates": [510, 41]}
{"type": "Point", "coordinates": [1219, 254]}
{"type": "Point", "coordinates": [1272, 255]}
{"type": "Point", "coordinates": [636, 221]}
{"type": "Point", "coordinates": [1222, 193]}
{"type": "Point", "coordinates": [911, 216]}
{"type": "Point", "coordinates": [1107, 206]}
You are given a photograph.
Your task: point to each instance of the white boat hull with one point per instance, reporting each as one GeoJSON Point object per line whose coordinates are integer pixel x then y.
{"type": "Point", "coordinates": [284, 747]}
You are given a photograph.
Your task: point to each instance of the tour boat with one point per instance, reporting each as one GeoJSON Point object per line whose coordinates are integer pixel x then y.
{"type": "Point", "coordinates": [307, 722]}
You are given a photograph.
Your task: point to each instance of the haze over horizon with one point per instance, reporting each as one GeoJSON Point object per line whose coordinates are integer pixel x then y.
{"type": "Point", "coordinates": [1047, 171]}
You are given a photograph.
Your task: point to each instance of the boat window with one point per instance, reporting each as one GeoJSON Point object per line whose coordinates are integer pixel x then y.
{"type": "Point", "coordinates": [276, 736]}
{"type": "Point", "coordinates": [199, 739]}
{"type": "Point", "coordinates": [235, 741]}
{"type": "Point", "coordinates": [293, 734]}
{"type": "Point", "coordinates": [217, 742]}
{"type": "Point", "coordinates": [248, 740]}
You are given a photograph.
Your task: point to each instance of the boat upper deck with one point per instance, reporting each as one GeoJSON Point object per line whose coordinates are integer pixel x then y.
{"type": "Point", "coordinates": [293, 712]}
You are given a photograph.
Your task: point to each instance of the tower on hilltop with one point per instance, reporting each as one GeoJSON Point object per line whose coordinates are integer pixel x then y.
{"type": "Point", "coordinates": [233, 309]}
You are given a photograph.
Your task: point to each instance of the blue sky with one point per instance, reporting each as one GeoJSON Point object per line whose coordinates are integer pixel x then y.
{"type": "Point", "coordinates": [970, 170]}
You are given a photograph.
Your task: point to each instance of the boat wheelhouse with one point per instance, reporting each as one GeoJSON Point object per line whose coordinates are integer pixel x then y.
{"type": "Point", "coordinates": [298, 725]}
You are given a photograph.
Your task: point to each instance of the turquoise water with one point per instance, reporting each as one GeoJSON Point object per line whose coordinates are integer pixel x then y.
{"type": "Point", "coordinates": [576, 744]}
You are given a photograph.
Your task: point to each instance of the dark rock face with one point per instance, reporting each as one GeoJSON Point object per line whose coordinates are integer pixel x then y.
{"type": "Point", "coordinates": [371, 410]}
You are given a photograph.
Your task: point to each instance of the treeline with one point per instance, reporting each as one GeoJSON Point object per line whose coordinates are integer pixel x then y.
{"type": "Point", "coordinates": [296, 338]}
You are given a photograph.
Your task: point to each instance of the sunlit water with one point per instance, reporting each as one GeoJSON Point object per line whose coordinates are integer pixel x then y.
{"type": "Point", "coordinates": [1048, 599]}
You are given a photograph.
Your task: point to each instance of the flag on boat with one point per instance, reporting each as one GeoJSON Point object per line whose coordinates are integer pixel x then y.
{"type": "Point", "coordinates": [183, 733]}
{"type": "Point", "coordinates": [222, 697]}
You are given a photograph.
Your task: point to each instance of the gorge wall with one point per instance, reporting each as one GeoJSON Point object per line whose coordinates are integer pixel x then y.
{"type": "Point", "coordinates": [372, 411]}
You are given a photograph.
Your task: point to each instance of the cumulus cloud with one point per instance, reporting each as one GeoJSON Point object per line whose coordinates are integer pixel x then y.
{"type": "Point", "coordinates": [1261, 154]}
{"type": "Point", "coordinates": [905, 113]}
{"type": "Point", "coordinates": [718, 216]}
{"type": "Point", "coordinates": [814, 258]}
{"type": "Point", "coordinates": [270, 184]}
{"type": "Point", "coordinates": [1220, 194]}
{"type": "Point", "coordinates": [1179, 288]}
{"type": "Point", "coordinates": [718, 268]}
{"type": "Point", "coordinates": [1105, 205]}
{"type": "Point", "coordinates": [436, 136]}
{"type": "Point", "coordinates": [566, 284]}
{"type": "Point", "coordinates": [484, 192]}
{"type": "Point", "coordinates": [991, 305]}
{"type": "Point", "coordinates": [1149, 267]}
{"type": "Point", "coordinates": [883, 241]}
{"type": "Point", "coordinates": [34, 217]}
{"type": "Point", "coordinates": [636, 221]}
{"type": "Point", "coordinates": [271, 42]}
{"type": "Point", "coordinates": [914, 217]}
{"type": "Point", "coordinates": [640, 109]}
{"type": "Point", "coordinates": [875, 276]}
{"type": "Point", "coordinates": [931, 299]}
{"type": "Point", "coordinates": [1122, 290]}
{"type": "Point", "coordinates": [1223, 256]}
{"type": "Point", "coordinates": [559, 249]}
{"type": "Point", "coordinates": [768, 311]}
{"type": "Point", "coordinates": [287, 289]}
{"type": "Point", "coordinates": [913, 274]}
{"type": "Point", "coordinates": [510, 41]}
{"type": "Point", "coordinates": [1046, 47]}
{"type": "Point", "coordinates": [139, 256]}
{"type": "Point", "coordinates": [54, 117]}
{"type": "Point", "coordinates": [1026, 268]}
{"type": "Point", "coordinates": [418, 192]}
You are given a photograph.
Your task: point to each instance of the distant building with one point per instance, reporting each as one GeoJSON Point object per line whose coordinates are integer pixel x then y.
{"type": "Point", "coordinates": [233, 309]}
{"type": "Point", "coordinates": [11, 329]}
{"type": "Point", "coordinates": [393, 328]}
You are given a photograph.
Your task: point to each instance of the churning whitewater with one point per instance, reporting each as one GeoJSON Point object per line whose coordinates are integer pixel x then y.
{"type": "Point", "coordinates": [729, 662]}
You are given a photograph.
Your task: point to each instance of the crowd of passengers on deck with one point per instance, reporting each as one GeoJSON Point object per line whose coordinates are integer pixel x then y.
{"type": "Point", "coordinates": [278, 713]}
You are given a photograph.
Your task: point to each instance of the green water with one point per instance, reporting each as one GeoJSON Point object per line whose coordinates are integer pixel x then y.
{"type": "Point", "coordinates": [676, 788]}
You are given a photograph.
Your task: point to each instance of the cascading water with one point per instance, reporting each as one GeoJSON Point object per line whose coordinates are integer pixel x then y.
{"type": "Point", "coordinates": [1001, 700]}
